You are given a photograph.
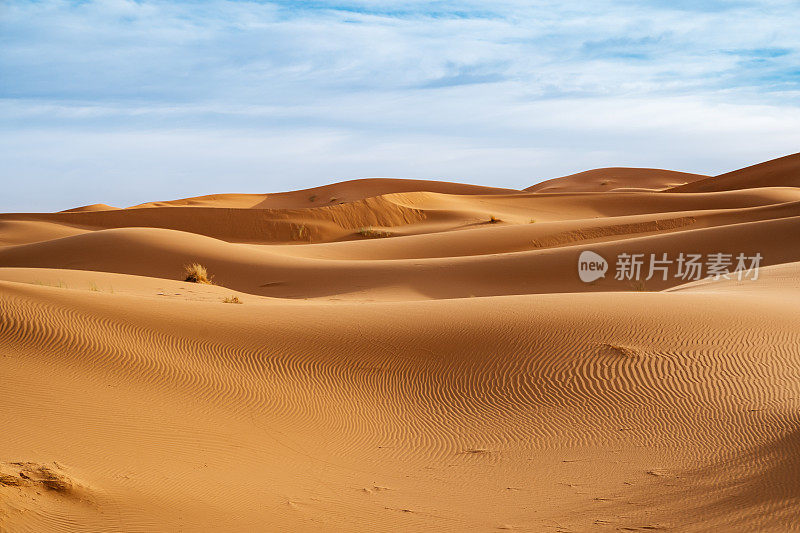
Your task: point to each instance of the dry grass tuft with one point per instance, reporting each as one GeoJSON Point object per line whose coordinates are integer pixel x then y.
{"type": "Point", "coordinates": [197, 273]}
{"type": "Point", "coordinates": [232, 300]}
{"type": "Point", "coordinates": [494, 220]}
{"type": "Point", "coordinates": [373, 233]}
{"type": "Point", "coordinates": [301, 233]}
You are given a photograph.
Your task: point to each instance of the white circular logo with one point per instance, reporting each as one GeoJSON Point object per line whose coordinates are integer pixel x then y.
{"type": "Point", "coordinates": [591, 266]}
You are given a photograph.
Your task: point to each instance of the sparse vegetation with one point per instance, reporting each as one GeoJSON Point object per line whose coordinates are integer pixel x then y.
{"type": "Point", "coordinates": [312, 198]}
{"type": "Point", "coordinates": [197, 273]}
{"type": "Point", "coordinates": [532, 221]}
{"type": "Point", "coordinates": [638, 285]}
{"type": "Point", "coordinates": [93, 287]}
{"type": "Point", "coordinates": [372, 233]}
{"type": "Point", "coordinates": [301, 232]}
{"type": "Point", "coordinates": [60, 284]}
{"type": "Point", "coordinates": [231, 300]}
{"type": "Point", "coordinates": [494, 220]}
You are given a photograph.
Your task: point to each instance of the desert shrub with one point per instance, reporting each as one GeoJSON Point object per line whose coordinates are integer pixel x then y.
{"type": "Point", "coordinates": [197, 273]}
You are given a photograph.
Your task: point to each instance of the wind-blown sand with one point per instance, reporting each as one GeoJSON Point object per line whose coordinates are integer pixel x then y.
{"type": "Point", "coordinates": [408, 356]}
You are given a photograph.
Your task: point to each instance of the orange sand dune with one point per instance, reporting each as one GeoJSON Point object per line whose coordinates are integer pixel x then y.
{"type": "Point", "coordinates": [336, 193]}
{"type": "Point", "coordinates": [619, 178]}
{"type": "Point", "coordinates": [781, 172]}
{"type": "Point", "coordinates": [398, 214]}
{"type": "Point", "coordinates": [411, 356]}
{"type": "Point", "coordinates": [92, 207]}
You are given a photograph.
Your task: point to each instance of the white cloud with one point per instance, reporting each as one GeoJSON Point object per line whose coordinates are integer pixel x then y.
{"type": "Point", "coordinates": [503, 93]}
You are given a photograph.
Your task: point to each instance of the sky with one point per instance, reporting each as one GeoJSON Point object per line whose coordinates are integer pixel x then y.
{"type": "Point", "coordinates": [123, 102]}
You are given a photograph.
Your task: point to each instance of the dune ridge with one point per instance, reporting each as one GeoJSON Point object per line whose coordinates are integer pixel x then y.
{"type": "Point", "coordinates": [617, 178]}
{"type": "Point", "coordinates": [781, 172]}
{"type": "Point", "coordinates": [421, 356]}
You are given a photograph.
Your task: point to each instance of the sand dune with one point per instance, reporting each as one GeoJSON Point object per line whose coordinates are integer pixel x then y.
{"type": "Point", "coordinates": [781, 172]}
{"type": "Point", "coordinates": [334, 194]}
{"type": "Point", "coordinates": [92, 207]}
{"type": "Point", "coordinates": [421, 356]}
{"type": "Point", "coordinates": [619, 178]}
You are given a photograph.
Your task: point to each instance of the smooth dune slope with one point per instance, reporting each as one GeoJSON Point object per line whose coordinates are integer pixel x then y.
{"type": "Point", "coordinates": [417, 356]}
{"type": "Point", "coordinates": [336, 193]}
{"type": "Point", "coordinates": [781, 172]}
{"type": "Point", "coordinates": [92, 207]}
{"type": "Point", "coordinates": [618, 178]}
{"type": "Point", "coordinates": [397, 214]}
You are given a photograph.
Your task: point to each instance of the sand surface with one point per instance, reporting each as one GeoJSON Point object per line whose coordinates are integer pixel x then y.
{"type": "Point", "coordinates": [406, 356]}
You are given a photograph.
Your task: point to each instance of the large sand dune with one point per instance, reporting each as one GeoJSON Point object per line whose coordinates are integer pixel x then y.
{"type": "Point", "coordinates": [408, 356]}
{"type": "Point", "coordinates": [615, 179]}
{"type": "Point", "coordinates": [781, 172]}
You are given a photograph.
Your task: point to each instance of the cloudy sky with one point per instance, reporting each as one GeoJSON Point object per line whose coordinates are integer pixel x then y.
{"type": "Point", "coordinates": [123, 102]}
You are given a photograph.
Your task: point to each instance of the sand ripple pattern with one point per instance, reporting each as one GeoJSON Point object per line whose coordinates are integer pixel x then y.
{"type": "Point", "coordinates": [522, 376]}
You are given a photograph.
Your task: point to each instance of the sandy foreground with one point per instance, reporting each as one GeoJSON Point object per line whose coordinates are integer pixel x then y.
{"type": "Point", "coordinates": [407, 356]}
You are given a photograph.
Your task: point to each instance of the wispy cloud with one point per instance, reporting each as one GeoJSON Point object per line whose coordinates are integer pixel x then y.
{"type": "Point", "coordinates": [506, 92]}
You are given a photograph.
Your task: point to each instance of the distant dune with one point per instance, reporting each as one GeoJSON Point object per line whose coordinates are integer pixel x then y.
{"type": "Point", "coordinates": [93, 207]}
{"type": "Point", "coordinates": [611, 179]}
{"type": "Point", "coordinates": [406, 356]}
{"type": "Point", "coordinates": [334, 194]}
{"type": "Point", "coordinates": [781, 172]}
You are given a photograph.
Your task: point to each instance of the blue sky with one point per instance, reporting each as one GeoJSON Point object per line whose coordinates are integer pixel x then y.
{"type": "Point", "coordinates": [123, 102]}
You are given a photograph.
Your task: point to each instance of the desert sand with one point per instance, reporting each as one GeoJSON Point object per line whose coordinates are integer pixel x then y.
{"type": "Point", "coordinates": [407, 356]}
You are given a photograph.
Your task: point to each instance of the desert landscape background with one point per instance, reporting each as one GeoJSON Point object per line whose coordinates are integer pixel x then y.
{"type": "Point", "coordinates": [407, 356]}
